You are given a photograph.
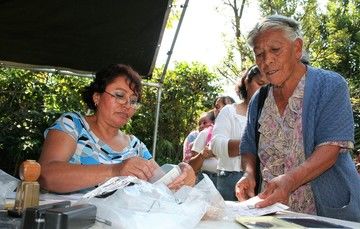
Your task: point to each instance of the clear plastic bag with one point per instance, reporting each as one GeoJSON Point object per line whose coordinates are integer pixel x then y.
{"type": "Point", "coordinates": [7, 185]}
{"type": "Point", "coordinates": [156, 206]}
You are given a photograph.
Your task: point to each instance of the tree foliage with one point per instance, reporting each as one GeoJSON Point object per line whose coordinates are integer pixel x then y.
{"type": "Point", "coordinates": [31, 101]}
{"type": "Point", "coordinates": [331, 38]}
{"type": "Point", "coordinates": [188, 90]}
{"type": "Point", "coordinates": [239, 55]}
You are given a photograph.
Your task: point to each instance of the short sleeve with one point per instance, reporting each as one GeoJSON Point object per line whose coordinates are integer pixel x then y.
{"type": "Point", "coordinates": [140, 148]}
{"type": "Point", "coordinates": [222, 132]}
{"type": "Point", "coordinates": [200, 141]}
{"type": "Point", "coordinates": [69, 123]}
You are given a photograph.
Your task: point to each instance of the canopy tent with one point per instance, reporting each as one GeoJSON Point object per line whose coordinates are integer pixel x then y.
{"type": "Point", "coordinates": [80, 37]}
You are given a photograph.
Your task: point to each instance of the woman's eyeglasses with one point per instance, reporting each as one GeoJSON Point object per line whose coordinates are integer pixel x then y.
{"type": "Point", "coordinates": [122, 99]}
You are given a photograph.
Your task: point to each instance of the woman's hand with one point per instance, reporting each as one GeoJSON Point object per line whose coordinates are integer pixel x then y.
{"type": "Point", "coordinates": [136, 166]}
{"type": "Point", "coordinates": [207, 153]}
{"type": "Point", "coordinates": [278, 189]}
{"type": "Point", "coordinates": [187, 177]}
{"type": "Point", "coordinates": [245, 187]}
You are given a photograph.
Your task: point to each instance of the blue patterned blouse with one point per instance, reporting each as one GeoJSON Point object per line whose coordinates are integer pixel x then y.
{"type": "Point", "coordinates": [90, 149]}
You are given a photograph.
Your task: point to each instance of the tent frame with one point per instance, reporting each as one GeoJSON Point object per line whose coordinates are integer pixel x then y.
{"type": "Point", "coordinates": [158, 85]}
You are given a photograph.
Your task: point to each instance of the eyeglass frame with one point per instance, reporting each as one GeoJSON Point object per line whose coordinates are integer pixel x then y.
{"type": "Point", "coordinates": [124, 101]}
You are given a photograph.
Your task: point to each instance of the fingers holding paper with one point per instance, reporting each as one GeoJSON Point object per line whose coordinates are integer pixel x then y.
{"type": "Point", "coordinates": [187, 177]}
{"type": "Point", "coordinates": [245, 187]}
{"type": "Point", "coordinates": [138, 167]}
{"type": "Point", "coordinates": [276, 190]}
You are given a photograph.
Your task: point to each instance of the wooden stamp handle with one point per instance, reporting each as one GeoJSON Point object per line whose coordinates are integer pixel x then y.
{"type": "Point", "coordinates": [29, 170]}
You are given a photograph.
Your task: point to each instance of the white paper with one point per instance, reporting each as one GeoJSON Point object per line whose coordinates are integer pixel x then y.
{"type": "Point", "coordinates": [247, 208]}
{"type": "Point", "coordinates": [110, 185]}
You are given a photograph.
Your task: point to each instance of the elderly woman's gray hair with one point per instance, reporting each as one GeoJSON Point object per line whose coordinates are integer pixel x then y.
{"type": "Point", "coordinates": [288, 25]}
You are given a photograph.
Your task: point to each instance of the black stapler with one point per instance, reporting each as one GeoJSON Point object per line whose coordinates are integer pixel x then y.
{"type": "Point", "coordinates": [60, 215]}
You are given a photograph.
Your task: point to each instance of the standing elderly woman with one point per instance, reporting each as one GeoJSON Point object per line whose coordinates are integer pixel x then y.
{"type": "Point", "coordinates": [227, 132]}
{"type": "Point", "coordinates": [81, 152]}
{"type": "Point", "coordinates": [306, 130]}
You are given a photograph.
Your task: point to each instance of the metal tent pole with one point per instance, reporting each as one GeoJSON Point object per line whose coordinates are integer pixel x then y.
{"type": "Point", "coordinates": [169, 53]}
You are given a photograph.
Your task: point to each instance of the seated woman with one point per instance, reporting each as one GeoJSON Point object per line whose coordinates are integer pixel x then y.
{"type": "Point", "coordinates": [81, 152]}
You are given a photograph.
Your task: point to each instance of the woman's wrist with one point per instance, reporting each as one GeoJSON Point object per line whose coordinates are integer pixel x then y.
{"type": "Point", "coordinates": [202, 156]}
{"type": "Point", "coordinates": [115, 170]}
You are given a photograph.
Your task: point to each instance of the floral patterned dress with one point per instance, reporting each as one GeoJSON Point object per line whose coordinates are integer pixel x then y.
{"type": "Point", "coordinates": [281, 145]}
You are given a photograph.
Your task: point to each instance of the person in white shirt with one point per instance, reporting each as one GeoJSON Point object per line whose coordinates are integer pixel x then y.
{"type": "Point", "coordinates": [227, 133]}
{"type": "Point", "coordinates": [220, 102]}
{"type": "Point", "coordinates": [206, 119]}
{"type": "Point", "coordinates": [204, 160]}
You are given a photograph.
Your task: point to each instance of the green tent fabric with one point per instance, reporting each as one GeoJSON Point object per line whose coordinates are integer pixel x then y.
{"type": "Point", "coordinates": [82, 35]}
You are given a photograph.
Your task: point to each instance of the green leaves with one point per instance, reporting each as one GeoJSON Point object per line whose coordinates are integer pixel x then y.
{"type": "Point", "coordinates": [188, 90]}
{"type": "Point", "coordinates": [29, 103]}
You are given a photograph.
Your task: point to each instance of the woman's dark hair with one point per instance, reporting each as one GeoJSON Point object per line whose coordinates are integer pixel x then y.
{"type": "Point", "coordinates": [249, 75]}
{"type": "Point", "coordinates": [224, 100]}
{"type": "Point", "coordinates": [106, 76]}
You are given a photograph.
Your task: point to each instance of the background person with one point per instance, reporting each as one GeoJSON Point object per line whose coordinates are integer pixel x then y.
{"type": "Point", "coordinates": [81, 152]}
{"type": "Point", "coordinates": [228, 130]}
{"type": "Point", "coordinates": [220, 102]}
{"type": "Point", "coordinates": [206, 119]}
{"type": "Point", "coordinates": [204, 161]}
{"type": "Point", "coordinates": [202, 154]}
{"type": "Point", "coordinates": [306, 130]}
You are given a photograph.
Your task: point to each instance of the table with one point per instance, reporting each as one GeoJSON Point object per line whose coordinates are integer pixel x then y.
{"type": "Point", "coordinates": [229, 223]}
{"type": "Point", "coordinates": [285, 214]}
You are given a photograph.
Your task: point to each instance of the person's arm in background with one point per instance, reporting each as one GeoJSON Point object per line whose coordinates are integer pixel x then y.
{"type": "Point", "coordinates": [222, 145]}
{"type": "Point", "coordinates": [233, 147]}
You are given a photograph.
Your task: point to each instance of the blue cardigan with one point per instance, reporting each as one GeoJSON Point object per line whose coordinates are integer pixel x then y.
{"type": "Point", "coordinates": [327, 116]}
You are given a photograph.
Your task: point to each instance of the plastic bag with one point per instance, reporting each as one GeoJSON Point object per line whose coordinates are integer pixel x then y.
{"type": "Point", "coordinates": [7, 185]}
{"type": "Point", "coordinates": [156, 206]}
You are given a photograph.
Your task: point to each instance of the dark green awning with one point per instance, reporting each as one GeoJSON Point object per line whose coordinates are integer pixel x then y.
{"type": "Point", "coordinates": [82, 35]}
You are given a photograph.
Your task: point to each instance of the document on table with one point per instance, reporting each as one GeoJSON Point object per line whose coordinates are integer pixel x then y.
{"type": "Point", "coordinates": [247, 208]}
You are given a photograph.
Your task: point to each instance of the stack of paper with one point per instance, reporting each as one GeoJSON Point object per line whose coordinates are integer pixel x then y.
{"type": "Point", "coordinates": [247, 208]}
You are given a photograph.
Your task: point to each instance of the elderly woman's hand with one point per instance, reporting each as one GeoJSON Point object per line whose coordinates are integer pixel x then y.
{"type": "Point", "coordinates": [245, 187]}
{"type": "Point", "coordinates": [187, 177]}
{"type": "Point", "coordinates": [136, 166]}
{"type": "Point", "coordinates": [277, 190]}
